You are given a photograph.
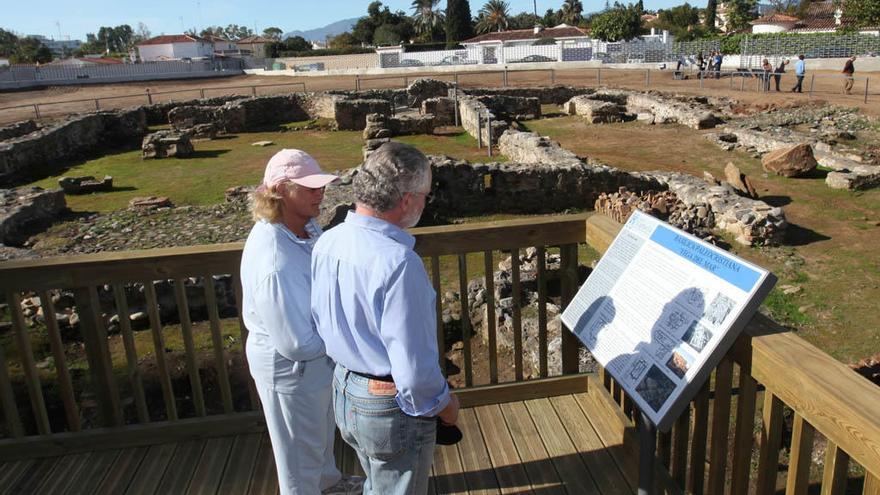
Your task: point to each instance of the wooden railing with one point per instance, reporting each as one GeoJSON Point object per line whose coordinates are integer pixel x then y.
{"type": "Point", "coordinates": [709, 450]}
{"type": "Point", "coordinates": [769, 371]}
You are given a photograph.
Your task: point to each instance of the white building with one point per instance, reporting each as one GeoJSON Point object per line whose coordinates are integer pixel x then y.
{"type": "Point", "coordinates": [175, 47]}
{"type": "Point", "coordinates": [821, 17]}
{"type": "Point", "coordinates": [222, 46]}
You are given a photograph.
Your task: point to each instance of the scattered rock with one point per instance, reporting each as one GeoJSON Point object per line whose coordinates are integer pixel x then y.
{"type": "Point", "coordinates": [739, 181]}
{"type": "Point", "coordinates": [149, 203]}
{"type": "Point", "coordinates": [85, 185]}
{"type": "Point", "coordinates": [262, 143]}
{"type": "Point", "coordinates": [793, 161]}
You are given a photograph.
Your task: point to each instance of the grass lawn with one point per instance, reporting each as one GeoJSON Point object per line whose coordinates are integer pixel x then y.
{"type": "Point", "coordinates": [231, 161]}
{"type": "Point", "coordinates": [830, 248]}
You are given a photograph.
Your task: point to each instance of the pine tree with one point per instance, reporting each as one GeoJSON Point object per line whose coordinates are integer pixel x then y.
{"type": "Point", "coordinates": [458, 21]}
{"type": "Point", "coordinates": [711, 7]}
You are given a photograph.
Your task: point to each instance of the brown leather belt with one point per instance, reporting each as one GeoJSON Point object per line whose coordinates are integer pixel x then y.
{"type": "Point", "coordinates": [386, 379]}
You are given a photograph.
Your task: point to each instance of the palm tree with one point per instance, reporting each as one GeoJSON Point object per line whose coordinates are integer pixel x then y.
{"type": "Point", "coordinates": [427, 19]}
{"type": "Point", "coordinates": [493, 16]}
{"type": "Point", "coordinates": [571, 12]}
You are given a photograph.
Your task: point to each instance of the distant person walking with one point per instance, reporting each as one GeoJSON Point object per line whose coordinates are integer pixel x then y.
{"type": "Point", "coordinates": [780, 69]}
{"type": "Point", "coordinates": [799, 72]}
{"type": "Point", "coordinates": [848, 71]}
{"type": "Point", "coordinates": [718, 59]}
{"type": "Point", "coordinates": [767, 70]}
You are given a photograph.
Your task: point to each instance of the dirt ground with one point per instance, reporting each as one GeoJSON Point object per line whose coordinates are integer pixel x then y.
{"type": "Point", "coordinates": [61, 100]}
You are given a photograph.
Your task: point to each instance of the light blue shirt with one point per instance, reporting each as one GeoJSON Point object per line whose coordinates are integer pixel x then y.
{"type": "Point", "coordinates": [275, 280]}
{"type": "Point", "coordinates": [799, 68]}
{"type": "Point", "coordinates": [373, 305]}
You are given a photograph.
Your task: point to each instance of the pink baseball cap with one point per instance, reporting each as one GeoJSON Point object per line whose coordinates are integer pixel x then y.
{"type": "Point", "coordinates": [296, 166]}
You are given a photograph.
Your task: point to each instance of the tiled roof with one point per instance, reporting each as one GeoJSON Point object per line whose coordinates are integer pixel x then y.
{"type": "Point", "coordinates": [529, 34]}
{"type": "Point", "coordinates": [172, 38]}
{"type": "Point", "coordinates": [776, 19]}
{"type": "Point", "coordinates": [254, 39]}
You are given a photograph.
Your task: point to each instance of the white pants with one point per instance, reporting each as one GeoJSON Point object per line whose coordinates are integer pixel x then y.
{"type": "Point", "coordinates": [301, 427]}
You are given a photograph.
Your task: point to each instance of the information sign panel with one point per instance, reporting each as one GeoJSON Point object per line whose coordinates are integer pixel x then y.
{"type": "Point", "coordinates": [661, 309]}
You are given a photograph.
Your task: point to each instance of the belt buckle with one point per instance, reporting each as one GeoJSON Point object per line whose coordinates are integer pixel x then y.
{"type": "Point", "coordinates": [378, 387]}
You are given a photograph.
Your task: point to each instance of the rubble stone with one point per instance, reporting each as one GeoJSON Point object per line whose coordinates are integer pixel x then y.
{"type": "Point", "coordinates": [792, 161]}
{"type": "Point", "coordinates": [85, 185]}
{"type": "Point", "coordinates": [166, 144]}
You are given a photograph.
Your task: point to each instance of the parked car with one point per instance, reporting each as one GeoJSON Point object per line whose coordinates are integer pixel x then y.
{"type": "Point", "coordinates": [455, 60]}
{"type": "Point", "coordinates": [410, 62]}
{"type": "Point", "coordinates": [533, 58]}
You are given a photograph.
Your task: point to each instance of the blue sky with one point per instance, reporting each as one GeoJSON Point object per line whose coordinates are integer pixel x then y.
{"type": "Point", "coordinates": [76, 18]}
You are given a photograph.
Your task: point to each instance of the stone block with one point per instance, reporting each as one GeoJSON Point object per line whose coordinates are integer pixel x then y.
{"type": "Point", "coordinates": [166, 144]}
{"type": "Point", "coordinates": [790, 161]}
{"type": "Point", "coordinates": [85, 185]}
{"type": "Point", "coordinates": [149, 203]}
{"type": "Point", "coordinates": [739, 181]}
{"type": "Point", "coordinates": [351, 115]}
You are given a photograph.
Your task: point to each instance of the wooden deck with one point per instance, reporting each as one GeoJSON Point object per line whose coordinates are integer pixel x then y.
{"type": "Point", "coordinates": [562, 444]}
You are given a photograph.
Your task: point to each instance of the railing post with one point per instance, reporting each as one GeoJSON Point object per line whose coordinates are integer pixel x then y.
{"type": "Point", "coordinates": [647, 78]}
{"type": "Point", "coordinates": [253, 91]}
{"type": "Point", "coordinates": [742, 86]}
{"type": "Point", "coordinates": [97, 354]}
{"type": "Point", "coordinates": [647, 443]}
{"type": "Point", "coordinates": [504, 77]}
{"type": "Point", "coordinates": [202, 93]}
{"type": "Point", "coordinates": [149, 97]}
{"type": "Point", "coordinates": [357, 82]}
{"type": "Point", "coordinates": [97, 106]}
{"type": "Point", "coordinates": [455, 100]}
{"type": "Point", "coordinates": [569, 284]}
{"type": "Point", "coordinates": [599, 76]}
{"type": "Point", "coordinates": [552, 76]}
{"type": "Point", "coordinates": [812, 80]}
{"type": "Point", "coordinates": [701, 79]}
{"type": "Point", "coordinates": [867, 79]}
{"type": "Point", "coordinates": [37, 110]}
{"type": "Point", "coordinates": [489, 132]}
{"type": "Point", "coordinates": [479, 130]}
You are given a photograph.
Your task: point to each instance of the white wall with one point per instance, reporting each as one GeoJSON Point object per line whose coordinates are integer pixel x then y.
{"type": "Point", "coordinates": [150, 53]}
{"type": "Point", "coordinates": [768, 28]}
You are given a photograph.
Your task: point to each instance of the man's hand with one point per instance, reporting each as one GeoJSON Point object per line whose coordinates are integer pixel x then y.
{"type": "Point", "coordinates": [449, 414]}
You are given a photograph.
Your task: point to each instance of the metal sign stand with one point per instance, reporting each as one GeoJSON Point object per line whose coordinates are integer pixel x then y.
{"type": "Point", "coordinates": [647, 444]}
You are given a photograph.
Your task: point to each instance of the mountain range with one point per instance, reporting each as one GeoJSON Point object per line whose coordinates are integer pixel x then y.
{"type": "Point", "coordinates": [320, 34]}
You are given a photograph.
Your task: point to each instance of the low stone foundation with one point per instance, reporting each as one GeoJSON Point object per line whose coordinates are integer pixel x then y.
{"type": "Point", "coordinates": [85, 185]}
{"type": "Point", "coordinates": [474, 115]}
{"type": "Point", "coordinates": [17, 129]}
{"type": "Point", "coordinates": [24, 210]}
{"type": "Point", "coordinates": [595, 111]}
{"type": "Point", "coordinates": [166, 144]}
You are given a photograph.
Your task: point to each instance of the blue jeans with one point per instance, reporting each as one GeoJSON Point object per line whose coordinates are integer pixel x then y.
{"type": "Point", "coordinates": [395, 450]}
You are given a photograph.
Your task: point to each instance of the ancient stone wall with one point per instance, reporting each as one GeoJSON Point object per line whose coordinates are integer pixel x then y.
{"type": "Point", "coordinates": [473, 119]}
{"type": "Point", "coordinates": [669, 110]}
{"type": "Point", "coordinates": [26, 209]}
{"type": "Point", "coordinates": [555, 95]}
{"type": "Point", "coordinates": [17, 129]}
{"type": "Point", "coordinates": [512, 107]}
{"type": "Point", "coordinates": [351, 115]}
{"type": "Point", "coordinates": [442, 108]}
{"type": "Point", "coordinates": [47, 150]}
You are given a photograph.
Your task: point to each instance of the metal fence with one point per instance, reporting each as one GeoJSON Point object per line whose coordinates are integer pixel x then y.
{"type": "Point", "coordinates": [56, 73]}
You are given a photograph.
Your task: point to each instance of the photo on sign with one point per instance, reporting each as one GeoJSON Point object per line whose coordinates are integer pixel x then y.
{"type": "Point", "coordinates": [718, 309]}
{"type": "Point", "coordinates": [678, 364]}
{"type": "Point", "coordinates": [655, 388]}
{"type": "Point", "coordinates": [697, 336]}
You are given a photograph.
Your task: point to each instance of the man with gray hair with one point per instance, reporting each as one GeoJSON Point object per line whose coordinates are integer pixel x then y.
{"type": "Point", "coordinates": [373, 305]}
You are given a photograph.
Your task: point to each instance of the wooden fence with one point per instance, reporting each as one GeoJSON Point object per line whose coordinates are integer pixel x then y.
{"type": "Point", "coordinates": [709, 450]}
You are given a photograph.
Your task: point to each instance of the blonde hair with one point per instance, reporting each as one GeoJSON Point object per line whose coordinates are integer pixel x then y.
{"type": "Point", "coordinates": [266, 204]}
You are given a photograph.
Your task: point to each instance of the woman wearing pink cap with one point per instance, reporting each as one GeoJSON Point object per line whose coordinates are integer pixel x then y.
{"type": "Point", "coordinates": [293, 374]}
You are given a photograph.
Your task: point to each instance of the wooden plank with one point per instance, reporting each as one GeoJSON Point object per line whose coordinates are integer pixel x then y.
{"type": "Point", "coordinates": [12, 471]}
{"type": "Point", "coordinates": [563, 454]}
{"type": "Point", "coordinates": [800, 457]}
{"type": "Point", "coordinates": [838, 402]}
{"type": "Point", "coordinates": [530, 448]}
{"type": "Point", "coordinates": [834, 473]}
{"type": "Point", "coordinates": [698, 441]}
{"type": "Point", "coordinates": [517, 315]}
{"type": "Point", "coordinates": [159, 350]}
{"type": "Point", "coordinates": [510, 473]}
{"type": "Point", "coordinates": [183, 464]}
{"type": "Point", "coordinates": [252, 388]}
{"type": "Point", "coordinates": [65, 470]}
{"type": "Point", "coordinates": [720, 426]}
{"type": "Point", "coordinates": [65, 386]}
{"type": "Point", "coordinates": [592, 451]}
{"type": "Point", "coordinates": [680, 433]}
{"type": "Point", "coordinates": [134, 370]}
{"type": "Point", "coordinates": [529, 389]}
{"type": "Point", "coordinates": [872, 484]}
{"type": "Point", "coordinates": [478, 472]}
{"type": "Point", "coordinates": [119, 267]}
{"type": "Point", "coordinates": [123, 470]}
{"type": "Point", "coordinates": [473, 237]}
{"type": "Point", "coordinates": [132, 435]}
{"type": "Point", "coordinates": [771, 439]}
{"type": "Point", "coordinates": [448, 473]}
{"type": "Point", "coordinates": [32, 478]}
{"type": "Point", "coordinates": [192, 367]}
{"type": "Point", "coordinates": [745, 431]}
{"type": "Point", "coordinates": [265, 478]}
{"type": "Point", "coordinates": [601, 231]}
{"type": "Point", "coordinates": [542, 311]}
{"type": "Point", "coordinates": [464, 314]}
{"type": "Point", "coordinates": [26, 357]}
{"type": "Point", "coordinates": [664, 448]}
{"type": "Point", "coordinates": [438, 312]}
{"type": "Point", "coordinates": [7, 398]}
{"type": "Point", "coordinates": [569, 273]}
{"type": "Point", "coordinates": [93, 472]}
{"type": "Point", "coordinates": [151, 470]}
{"type": "Point", "coordinates": [490, 320]}
{"type": "Point", "coordinates": [610, 424]}
{"type": "Point", "coordinates": [92, 324]}
{"type": "Point", "coordinates": [209, 472]}
{"type": "Point", "coordinates": [217, 343]}
{"type": "Point", "coordinates": [237, 477]}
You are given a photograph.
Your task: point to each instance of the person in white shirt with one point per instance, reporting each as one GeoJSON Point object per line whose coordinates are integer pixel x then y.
{"type": "Point", "coordinates": [286, 357]}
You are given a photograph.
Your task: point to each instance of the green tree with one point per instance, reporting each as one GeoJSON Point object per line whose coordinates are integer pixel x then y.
{"type": "Point", "coordinates": [739, 13]}
{"type": "Point", "coordinates": [342, 40]}
{"type": "Point", "coordinates": [428, 20]}
{"type": "Point", "coordinates": [30, 51]}
{"type": "Point", "coordinates": [235, 32]}
{"type": "Point", "coordinates": [386, 35]}
{"type": "Point", "coordinates": [398, 23]}
{"type": "Point", "coordinates": [864, 12]}
{"type": "Point", "coordinates": [523, 20]}
{"type": "Point", "coordinates": [458, 21]}
{"type": "Point", "coordinates": [711, 8]}
{"type": "Point", "coordinates": [273, 33]}
{"type": "Point", "coordinates": [550, 18]}
{"type": "Point", "coordinates": [8, 42]}
{"type": "Point", "coordinates": [493, 16]}
{"type": "Point", "coordinates": [682, 21]}
{"type": "Point", "coordinates": [572, 12]}
{"type": "Point", "coordinates": [620, 23]}
{"type": "Point", "coordinates": [215, 31]}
